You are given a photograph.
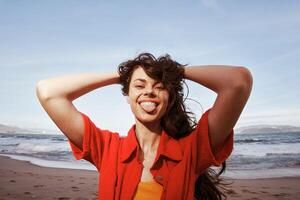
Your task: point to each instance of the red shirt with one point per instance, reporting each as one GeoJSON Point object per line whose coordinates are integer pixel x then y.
{"type": "Point", "coordinates": [177, 165]}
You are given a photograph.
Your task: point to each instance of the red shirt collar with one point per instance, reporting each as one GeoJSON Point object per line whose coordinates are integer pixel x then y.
{"type": "Point", "coordinates": [168, 146]}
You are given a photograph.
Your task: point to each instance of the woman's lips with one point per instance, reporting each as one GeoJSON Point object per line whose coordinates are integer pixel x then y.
{"type": "Point", "coordinates": [148, 106]}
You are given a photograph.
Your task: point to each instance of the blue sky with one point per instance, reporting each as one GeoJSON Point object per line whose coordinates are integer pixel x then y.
{"type": "Point", "coordinates": [41, 39]}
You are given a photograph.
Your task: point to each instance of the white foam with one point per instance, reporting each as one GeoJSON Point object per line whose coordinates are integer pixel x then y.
{"type": "Point", "coordinates": [34, 146]}
{"type": "Point", "coordinates": [263, 173]}
{"type": "Point", "coordinates": [54, 164]}
{"type": "Point", "coordinates": [264, 149]}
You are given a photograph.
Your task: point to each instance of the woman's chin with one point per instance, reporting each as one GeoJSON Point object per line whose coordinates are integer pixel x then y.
{"type": "Point", "coordinates": [148, 119]}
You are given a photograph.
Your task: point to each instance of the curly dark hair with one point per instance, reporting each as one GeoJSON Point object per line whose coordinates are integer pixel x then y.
{"type": "Point", "coordinates": [177, 121]}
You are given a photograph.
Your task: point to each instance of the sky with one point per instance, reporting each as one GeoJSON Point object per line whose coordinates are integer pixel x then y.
{"type": "Point", "coordinates": [43, 39]}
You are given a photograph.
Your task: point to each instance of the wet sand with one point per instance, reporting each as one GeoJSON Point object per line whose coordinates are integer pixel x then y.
{"type": "Point", "coordinates": [23, 180]}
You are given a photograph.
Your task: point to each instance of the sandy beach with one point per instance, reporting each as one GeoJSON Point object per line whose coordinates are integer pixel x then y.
{"type": "Point", "coordinates": [23, 180]}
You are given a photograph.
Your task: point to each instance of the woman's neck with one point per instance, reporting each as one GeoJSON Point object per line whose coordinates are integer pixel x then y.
{"type": "Point", "coordinates": [148, 136]}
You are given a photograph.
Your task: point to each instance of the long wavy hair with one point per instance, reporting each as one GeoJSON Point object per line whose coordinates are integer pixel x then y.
{"type": "Point", "coordinates": [177, 121]}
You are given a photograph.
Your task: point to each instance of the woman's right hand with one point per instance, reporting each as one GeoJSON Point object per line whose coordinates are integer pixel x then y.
{"type": "Point", "coordinates": [56, 95]}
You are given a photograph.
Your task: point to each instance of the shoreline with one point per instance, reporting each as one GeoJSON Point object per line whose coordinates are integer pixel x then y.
{"type": "Point", "coordinates": [24, 180]}
{"type": "Point", "coordinates": [228, 174]}
{"type": "Point", "coordinates": [52, 164]}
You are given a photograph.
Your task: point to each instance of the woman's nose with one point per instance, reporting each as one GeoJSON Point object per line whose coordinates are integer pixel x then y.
{"type": "Point", "coordinates": [149, 91]}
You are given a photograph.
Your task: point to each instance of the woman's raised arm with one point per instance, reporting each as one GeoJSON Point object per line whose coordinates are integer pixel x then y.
{"type": "Point", "coordinates": [233, 85]}
{"type": "Point", "coordinates": [56, 95]}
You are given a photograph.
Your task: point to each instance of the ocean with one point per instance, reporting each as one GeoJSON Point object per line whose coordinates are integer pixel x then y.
{"type": "Point", "coordinates": [264, 155]}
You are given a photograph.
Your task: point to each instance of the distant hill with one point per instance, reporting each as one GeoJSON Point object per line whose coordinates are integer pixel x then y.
{"type": "Point", "coordinates": [263, 128]}
{"type": "Point", "coordinates": [15, 129]}
{"type": "Point", "coordinates": [241, 130]}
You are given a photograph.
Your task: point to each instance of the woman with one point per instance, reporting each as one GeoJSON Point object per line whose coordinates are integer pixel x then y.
{"type": "Point", "coordinates": [166, 154]}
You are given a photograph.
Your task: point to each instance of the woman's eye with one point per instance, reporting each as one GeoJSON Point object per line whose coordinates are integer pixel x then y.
{"type": "Point", "coordinates": [160, 87]}
{"type": "Point", "coordinates": [139, 86]}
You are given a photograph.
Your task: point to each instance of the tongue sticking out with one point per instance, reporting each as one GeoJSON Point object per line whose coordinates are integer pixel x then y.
{"type": "Point", "coordinates": [148, 106]}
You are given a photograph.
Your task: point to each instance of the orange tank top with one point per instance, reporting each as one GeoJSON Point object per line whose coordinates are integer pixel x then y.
{"type": "Point", "coordinates": [150, 190]}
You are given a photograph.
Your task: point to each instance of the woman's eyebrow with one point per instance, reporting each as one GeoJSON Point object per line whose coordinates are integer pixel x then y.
{"type": "Point", "coordinates": [139, 79]}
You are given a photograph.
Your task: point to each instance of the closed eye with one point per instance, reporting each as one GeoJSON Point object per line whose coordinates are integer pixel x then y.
{"type": "Point", "coordinates": [160, 87]}
{"type": "Point", "coordinates": [139, 86]}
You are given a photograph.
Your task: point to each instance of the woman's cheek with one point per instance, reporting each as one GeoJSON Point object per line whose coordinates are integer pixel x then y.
{"type": "Point", "coordinates": [136, 93]}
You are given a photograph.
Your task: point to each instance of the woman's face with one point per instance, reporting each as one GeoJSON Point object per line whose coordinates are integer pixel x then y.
{"type": "Point", "coordinates": [147, 97]}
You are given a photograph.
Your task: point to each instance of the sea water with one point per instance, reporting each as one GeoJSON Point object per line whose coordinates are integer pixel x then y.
{"type": "Point", "coordinates": [263, 155]}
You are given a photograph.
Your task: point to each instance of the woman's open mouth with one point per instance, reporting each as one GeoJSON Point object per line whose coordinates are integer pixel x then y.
{"type": "Point", "coordinates": [148, 106]}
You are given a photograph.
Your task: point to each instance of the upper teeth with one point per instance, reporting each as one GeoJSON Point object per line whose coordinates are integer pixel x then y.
{"type": "Point", "coordinates": [149, 103]}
